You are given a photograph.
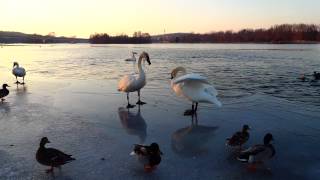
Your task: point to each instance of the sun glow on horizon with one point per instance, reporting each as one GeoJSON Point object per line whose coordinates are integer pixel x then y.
{"type": "Point", "coordinates": [82, 18]}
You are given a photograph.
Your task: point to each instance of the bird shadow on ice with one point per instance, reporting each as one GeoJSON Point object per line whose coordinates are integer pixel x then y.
{"type": "Point", "coordinates": [4, 108]}
{"type": "Point", "coordinates": [133, 123]}
{"type": "Point", "coordinates": [192, 140]}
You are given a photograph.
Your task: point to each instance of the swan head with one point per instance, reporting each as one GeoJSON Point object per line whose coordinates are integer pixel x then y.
{"type": "Point", "coordinates": [15, 64]}
{"type": "Point", "coordinates": [4, 86]}
{"type": "Point", "coordinates": [176, 70]}
{"type": "Point", "coordinates": [267, 138]}
{"type": "Point", "coordinates": [145, 55]}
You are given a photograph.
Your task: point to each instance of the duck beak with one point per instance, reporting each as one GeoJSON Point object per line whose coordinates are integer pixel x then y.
{"type": "Point", "coordinates": [48, 141]}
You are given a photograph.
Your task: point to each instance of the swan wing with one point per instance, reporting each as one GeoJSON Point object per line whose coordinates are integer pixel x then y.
{"type": "Point", "coordinates": [19, 71]}
{"type": "Point", "coordinates": [127, 83]}
{"type": "Point", "coordinates": [191, 77]}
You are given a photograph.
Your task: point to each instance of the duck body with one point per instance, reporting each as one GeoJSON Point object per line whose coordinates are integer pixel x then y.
{"type": "Point", "coordinates": [239, 138]}
{"type": "Point", "coordinates": [134, 82]}
{"type": "Point", "coordinates": [258, 153]}
{"type": "Point", "coordinates": [4, 92]}
{"type": "Point", "coordinates": [18, 71]}
{"type": "Point", "coordinates": [194, 88]}
{"type": "Point", "coordinates": [150, 156]}
{"type": "Point", "coordinates": [51, 157]}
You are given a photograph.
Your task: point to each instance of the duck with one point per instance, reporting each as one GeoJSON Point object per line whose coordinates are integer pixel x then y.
{"type": "Point", "coordinates": [194, 88]}
{"type": "Point", "coordinates": [133, 57]}
{"type": "Point", "coordinates": [18, 71]}
{"type": "Point", "coordinates": [150, 155]}
{"type": "Point", "coordinates": [51, 157]}
{"type": "Point", "coordinates": [258, 153]}
{"type": "Point", "coordinates": [4, 92]}
{"type": "Point", "coordinates": [239, 138]}
{"type": "Point", "coordinates": [135, 82]}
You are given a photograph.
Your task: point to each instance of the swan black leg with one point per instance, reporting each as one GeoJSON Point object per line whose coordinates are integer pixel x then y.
{"type": "Point", "coordinates": [129, 105]}
{"type": "Point", "coordinates": [17, 82]}
{"type": "Point", "coordinates": [22, 80]}
{"type": "Point", "coordinates": [190, 112]}
{"type": "Point", "coordinates": [139, 101]}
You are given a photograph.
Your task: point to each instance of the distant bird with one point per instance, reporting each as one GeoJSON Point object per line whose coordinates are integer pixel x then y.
{"type": "Point", "coordinates": [193, 87]}
{"type": "Point", "coordinates": [4, 92]}
{"type": "Point", "coordinates": [133, 57]}
{"type": "Point", "coordinates": [150, 156]}
{"type": "Point", "coordinates": [135, 82]}
{"type": "Point", "coordinates": [51, 157]}
{"type": "Point", "coordinates": [316, 75]}
{"type": "Point", "coordinates": [258, 153]}
{"type": "Point", "coordinates": [18, 71]}
{"type": "Point", "coordinates": [239, 138]}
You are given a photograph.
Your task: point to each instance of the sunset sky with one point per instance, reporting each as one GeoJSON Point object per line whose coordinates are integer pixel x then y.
{"type": "Point", "coordinates": [82, 18]}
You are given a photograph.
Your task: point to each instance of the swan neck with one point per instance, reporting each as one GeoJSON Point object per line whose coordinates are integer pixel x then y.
{"type": "Point", "coordinates": [140, 66]}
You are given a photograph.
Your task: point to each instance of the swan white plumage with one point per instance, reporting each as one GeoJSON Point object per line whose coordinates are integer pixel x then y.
{"type": "Point", "coordinates": [134, 82]}
{"type": "Point", "coordinates": [193, 87]}
{"type": "Point", "coordinates": [133, 57]}
{"type": "Point", "coordinates": [18, 71]}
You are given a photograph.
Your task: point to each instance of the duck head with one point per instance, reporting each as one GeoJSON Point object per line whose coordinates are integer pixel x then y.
{"type": "Point", "coordinates": [176, 70]}
{"type": "Point", "coordinates": [245, 128]}
{"type": "Point", "coordinates": [4, 86]}
{"type": "Point", "coordinates": [15, 64]}
{"type": "Point", "coordinates": [154, 147]}
{"type": "Point", "coordinates": [44, 141]}
{"type": "Point", "coordinates": [145, 55]}
{"type": "Point", "coordinates": [267, 139]}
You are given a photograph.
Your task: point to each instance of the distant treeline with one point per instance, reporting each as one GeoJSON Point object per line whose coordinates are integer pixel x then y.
{"type": "Point", "coordinates": [17, 37]}
{"type": "Point", "coordinates": [285, 33]}
{"type": "Point", "coordinates": [137, 38]}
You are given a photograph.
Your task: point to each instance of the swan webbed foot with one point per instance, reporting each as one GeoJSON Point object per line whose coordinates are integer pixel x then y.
{"type": "Point", "coordinates": [141, 102]}
{"type": "Point", "coordinates": [189, 112]}
{"type": "Point", "coordinates": [129, 106]}
{"type": "Point", "coordinates": [17, 82]}
{"type": "Point", "coordinates": [22, 83]}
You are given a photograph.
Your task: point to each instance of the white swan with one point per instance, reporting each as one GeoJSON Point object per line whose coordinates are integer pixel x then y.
{"type": "Point", "coordinates": [18, 72]}
{"type": "Point", "coordinates": [133, 57]}
{"type": "Point", "coordinates": [134, 82]}
{"type": "Point", "coordinates": [193, 87]}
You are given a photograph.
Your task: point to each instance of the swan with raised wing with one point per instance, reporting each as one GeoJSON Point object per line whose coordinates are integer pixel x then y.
{"type": "Point", "coordinates": [193, 87]}
{"type": "Point", "coordinates": [135, 82]}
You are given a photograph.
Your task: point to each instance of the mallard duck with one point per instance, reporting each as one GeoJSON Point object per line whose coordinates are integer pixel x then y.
{"type": "Point", "coordinates": [150, 156]}
{"type": "Point", "coordinates": [239, 138]}
{"type": "Point", "coordinates": [18, 71]}
{"type": "Point", "coordinates": [4, 92]}
{"type": "Point", "coordinates": [258, 153]}
{"type": "Point", "coordinates": [50, 156]}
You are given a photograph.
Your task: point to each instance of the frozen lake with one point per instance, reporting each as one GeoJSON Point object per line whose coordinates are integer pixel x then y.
{"type": "Point", "coordinates": [71, 97]}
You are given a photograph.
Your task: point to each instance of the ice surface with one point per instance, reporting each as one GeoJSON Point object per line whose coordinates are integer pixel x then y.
{"type": "Point", "coordinates": [87, 118]}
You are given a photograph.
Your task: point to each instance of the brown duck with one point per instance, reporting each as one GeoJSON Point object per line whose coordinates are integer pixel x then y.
{"type": "Point", "coordinates": [51, 157]}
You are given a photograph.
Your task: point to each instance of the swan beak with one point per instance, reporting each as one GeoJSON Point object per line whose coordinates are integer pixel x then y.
{"type": "Point", "coordinates": [8, 86]}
